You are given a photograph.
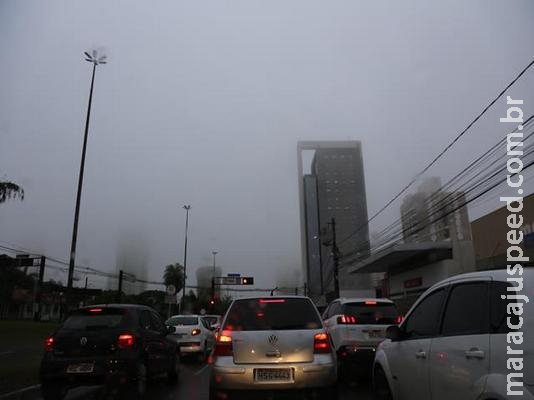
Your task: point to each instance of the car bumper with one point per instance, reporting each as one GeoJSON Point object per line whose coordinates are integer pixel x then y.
{"type": "Point", "coordinates": [190, 347]}
{"type": "Point", "coordinates": [229, 376]}
{"type": "Point", "coordinates": [105, 370]}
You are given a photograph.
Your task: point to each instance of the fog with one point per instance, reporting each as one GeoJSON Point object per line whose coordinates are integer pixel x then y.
{"type": "Point", "coordinates": [203, 103]}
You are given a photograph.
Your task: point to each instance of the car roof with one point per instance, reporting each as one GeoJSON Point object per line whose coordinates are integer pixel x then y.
{"type": "Point", "coordinates": [118, 305]}
{"type": "Point", "coordinates": [344, 300]}
{"type": "Point", "coordinates": [272, 297]}
{"type": "Point", "coordinates": [186, 315]}
{"type": "Point", "coordinates": [496, 274]}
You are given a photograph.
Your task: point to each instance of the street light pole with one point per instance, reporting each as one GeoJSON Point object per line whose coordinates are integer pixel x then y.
{"type": "Point", "coordinates": [186, 208]}
{"type": "Point", "coordinates": [95, 60]}
{"type": "Point", "coordinates": [213, 276]}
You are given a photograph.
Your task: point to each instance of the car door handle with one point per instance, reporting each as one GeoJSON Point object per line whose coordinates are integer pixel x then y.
{"type": "Point", "coordinates": [475, 353]}
{"type": "Point", "coordinates": [420, 354]}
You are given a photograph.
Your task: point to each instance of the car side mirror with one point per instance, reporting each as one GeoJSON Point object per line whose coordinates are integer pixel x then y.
{"type": "Point", "coordinates": [394, 333]}
{"type": "Point", "coordinates": [171, 329]}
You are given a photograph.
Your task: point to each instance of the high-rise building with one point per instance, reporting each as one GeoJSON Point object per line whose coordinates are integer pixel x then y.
{"type": "Point", "coordinates": [335, 187]}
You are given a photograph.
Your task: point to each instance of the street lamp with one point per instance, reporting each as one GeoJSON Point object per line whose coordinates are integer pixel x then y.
{"type": "Point", "coordinates": [186, 208]}
{"type": "Point", "coordinates": [95, 60]}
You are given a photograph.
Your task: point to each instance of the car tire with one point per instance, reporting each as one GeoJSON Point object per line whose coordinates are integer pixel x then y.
{"type": "Point", "coordinates": [173, 374]}
{"type": "Point", "coordinates": [381, 389]}
{"type": "Point", "coordinates": [136, 388]}
{"type": "Point", "coordinates": [53, 390]}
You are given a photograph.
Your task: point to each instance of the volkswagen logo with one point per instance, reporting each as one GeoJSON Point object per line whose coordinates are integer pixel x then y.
{"type": "Point", "coordinates": [83, 341]}
{"type": "Point", "coordinates": [273, 339]}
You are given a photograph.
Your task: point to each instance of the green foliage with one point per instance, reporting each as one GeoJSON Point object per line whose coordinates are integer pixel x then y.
{"type": "Point", "coordinates": [10, 190]}
{"type": "Point", "coordinates": [174, 275]}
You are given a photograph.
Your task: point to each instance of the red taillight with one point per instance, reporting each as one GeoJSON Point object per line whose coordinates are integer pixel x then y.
{"type": "Point", "coordinates": [223, 346]}
{"type": "Point", "coordinates": [346, 319]}
{"type": "Point", "coordinates": [370, 303]}
{"type": "Point", "coordinates": [49, 343]}
{"type": "Point", "coordinates": [399, 319]}
{"type": "Point", "coordinates": [321, 343]}
{"type": "Point", "coordinates": [195, 332]}
{"type": "Point", "coordinates": [125, 340]}
{"type": "Point", "coordinates": [95, 310]}
{"type": "Point", "coordinates": [263, 301]}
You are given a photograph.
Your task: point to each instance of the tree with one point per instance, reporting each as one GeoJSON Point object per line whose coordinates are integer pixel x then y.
{"type": "Point", "coordinates": [174, 275]}
{"type": "Point", "coordinates": [10, 190]}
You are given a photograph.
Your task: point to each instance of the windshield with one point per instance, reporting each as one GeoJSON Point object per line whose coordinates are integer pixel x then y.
{"type": "Point", "coordinates": [94, 319]}
{"type": "Point", "coordinates": [175, 321]}
{"type": "Point", "coordinates": [375, 313]}
{"type": "Point", "coordinates": [272, 314]}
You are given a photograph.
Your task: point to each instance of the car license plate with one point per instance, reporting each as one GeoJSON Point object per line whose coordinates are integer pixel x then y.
{"type": "Point", "coordinates": [83, 368]}
{"type": "Point", "coordinates": [273, 375]}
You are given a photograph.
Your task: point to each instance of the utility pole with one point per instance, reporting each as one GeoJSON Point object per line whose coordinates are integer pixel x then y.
{"type": "Point", "coordinates": [39, 289]}
{"type": "Point", "coordinates": [335, 255]}
{"type": "Point", "coordinates": [119, 295]}
{"type": "Point", "coordinates": [214, 253]}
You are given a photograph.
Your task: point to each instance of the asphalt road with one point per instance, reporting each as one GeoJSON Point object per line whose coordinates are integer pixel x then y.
{"type": "Point", "coordinates": [193, 385]}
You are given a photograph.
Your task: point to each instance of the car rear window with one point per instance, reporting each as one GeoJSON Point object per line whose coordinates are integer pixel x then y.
{"type": "Point", "coordinates": [96, 318]}
{"type": "Point", "coordinates": [371, 312]}
{"type": "Point", "coordinates": [272, 314]}
{"type": "Point", "coordinates": [212, 320]}
{"type": "Point", "coordinates": [174, 321]}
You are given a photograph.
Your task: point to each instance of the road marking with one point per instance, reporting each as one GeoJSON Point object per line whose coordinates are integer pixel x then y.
{"type": "Point", "coordinates": [26, 389]}
{"type": "Point", "coordinates": [201, 370]}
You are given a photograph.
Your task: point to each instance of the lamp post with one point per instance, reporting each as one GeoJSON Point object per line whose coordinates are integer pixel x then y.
{"type": "Point", "coordinates": [214, 253]}
{"type": "Point", "coordinates": [187, 207]}
{"type": "Point", "coordinates": [95, 60]}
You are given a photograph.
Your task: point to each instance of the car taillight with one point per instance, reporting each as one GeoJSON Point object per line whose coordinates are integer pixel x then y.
{"type": "Point", "coordinates": [399, 319]}
{"type": "Point", "coordinates": [125, 340]}
{"type": "Point", "coordinates": [223, 346]}
{"type": "Point", "coordinates": [195, 332]}
{"type": "Point", "coordinates": [49, 343]}
{"type": "Point", "coordinates": [346, 319]}
{"type": "Point", "coordinates": [321, 343]}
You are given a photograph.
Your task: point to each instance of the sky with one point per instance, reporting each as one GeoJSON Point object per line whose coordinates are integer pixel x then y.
{"type": "Point", "coordinates": [203, 103]}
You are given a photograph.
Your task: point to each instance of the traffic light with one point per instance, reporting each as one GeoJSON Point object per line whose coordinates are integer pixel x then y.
{"type": "Point", "coordinates": [247, 280]}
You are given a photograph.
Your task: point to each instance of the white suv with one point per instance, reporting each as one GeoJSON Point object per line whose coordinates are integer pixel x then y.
{"type": "Point", "coordinates": [453, 342]}
{"type": "Point", "coordinates": [356, 327]}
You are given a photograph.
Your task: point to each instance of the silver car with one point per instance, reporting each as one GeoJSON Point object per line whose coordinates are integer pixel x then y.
{"type": "Point", "coordinates": [270, 345]}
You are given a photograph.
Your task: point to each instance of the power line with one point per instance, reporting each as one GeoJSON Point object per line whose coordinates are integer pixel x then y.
{"type": "Point", "coordinates": [441, 153]}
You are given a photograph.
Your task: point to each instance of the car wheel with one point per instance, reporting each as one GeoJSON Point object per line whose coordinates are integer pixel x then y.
{"type": "Point", "coordinates": [381, 387]}
{"type": "Point", "coordinates": [173, 373]}
{"type": "Point", "coordinates": [53, 390]}
{"type": "Point", "coordinates": [137, 387]}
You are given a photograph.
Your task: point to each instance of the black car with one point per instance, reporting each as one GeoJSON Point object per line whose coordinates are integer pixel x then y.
{"type": "Point", "coordinates": [114, 345]}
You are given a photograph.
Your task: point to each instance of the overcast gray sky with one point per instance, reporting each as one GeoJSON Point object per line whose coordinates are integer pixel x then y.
{"type": "Point", "coordinates": [203, 102]}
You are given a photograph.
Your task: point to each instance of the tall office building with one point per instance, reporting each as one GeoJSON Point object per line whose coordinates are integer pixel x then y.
{"type": "Point", "coordinates": [335, 187]}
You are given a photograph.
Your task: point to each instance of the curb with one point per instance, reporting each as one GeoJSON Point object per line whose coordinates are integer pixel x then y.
{"type": "Point", "coordinates": [15, 395]}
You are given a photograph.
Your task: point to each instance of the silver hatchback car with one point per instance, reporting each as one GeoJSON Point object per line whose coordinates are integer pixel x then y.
{"type": "Point", "coordinates": [273, 345]}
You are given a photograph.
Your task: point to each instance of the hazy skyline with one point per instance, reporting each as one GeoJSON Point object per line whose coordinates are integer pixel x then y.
{"type": "Point", "coordinates": [203, 103]}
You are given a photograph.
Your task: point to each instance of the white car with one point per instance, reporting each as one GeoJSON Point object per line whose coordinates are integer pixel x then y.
{"type": "Point", "coordinates": [193, 335]}
{"type": "Point", "coordinates": [454, 341]}
{"type": "Point", "coordinates": [357, 326]}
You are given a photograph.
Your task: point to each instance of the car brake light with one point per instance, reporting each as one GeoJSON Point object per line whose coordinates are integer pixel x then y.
{"type": "Point", "coordinates": [263, 301]}
{"type": "Point", "coordinates": [346, 319]}
{"type": "Point", "coordinates": [321, 343]}
{"type": "Point", "coordinates": [126, 340]}
{"type": "Point", "coordinates": [195, 332]}
{"type": "Point", "coordinates": [223, 345]}
{"type": "Point", "coordinates": [95, 310]}
{"type": "Point", "coordinates": [399, 319]}
{"type": "Point", "coordinates": [49, 343]}
{"type": "Point", "coordinates": [370, 303]}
